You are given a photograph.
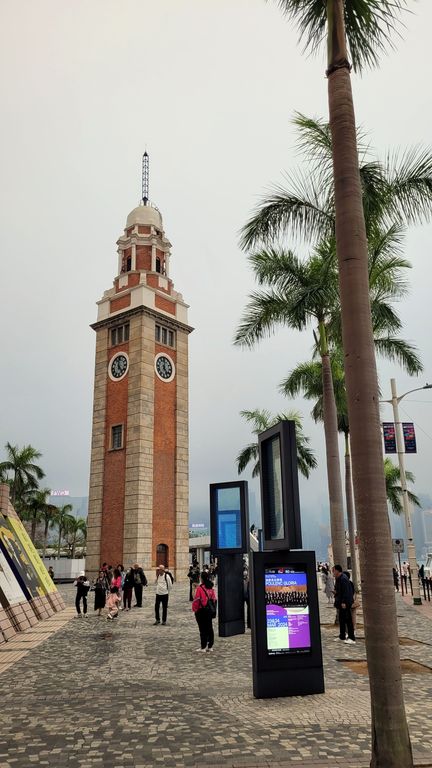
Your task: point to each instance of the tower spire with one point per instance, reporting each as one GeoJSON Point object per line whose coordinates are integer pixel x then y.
{"type": "Point", "coordinates": [145, 178]}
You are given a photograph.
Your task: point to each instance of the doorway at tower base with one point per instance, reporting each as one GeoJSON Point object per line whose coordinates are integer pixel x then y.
{"type": "Point", "coordinates": [27, 593]}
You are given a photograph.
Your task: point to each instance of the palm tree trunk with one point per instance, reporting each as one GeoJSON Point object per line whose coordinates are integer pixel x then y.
{"type": "Point", "coordinates": [45, 537]}
{"type": "Point", "coordinates": [73, 546]}
{"type": "Point", "coordinates": [337, 525]}
{"type": "Point", "coordinates": [59, 541]}
{"type": "Point", "coordinates": [391, 747]}
{"type": "Point", "coordinates": [350, 513]}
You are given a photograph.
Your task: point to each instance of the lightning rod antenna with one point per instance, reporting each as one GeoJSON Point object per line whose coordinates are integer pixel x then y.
{"type": "Point", "coordinates": [145, 178]}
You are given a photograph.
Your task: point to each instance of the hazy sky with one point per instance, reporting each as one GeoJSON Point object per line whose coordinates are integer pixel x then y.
{"type": "Point", "coordinates": [209, 87]}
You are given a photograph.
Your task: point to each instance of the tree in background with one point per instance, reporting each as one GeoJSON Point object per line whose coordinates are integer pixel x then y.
{"type": "Point", "coordinates": [21, 472]}
{"type": "Point", "coordinates": [260, 420]}
{"type": "Point", "coordinates": [394, 488]}
{"type": "Point", "coordinates": [76, 532]}
{"type": "Point", "coordinates": [63, 521]}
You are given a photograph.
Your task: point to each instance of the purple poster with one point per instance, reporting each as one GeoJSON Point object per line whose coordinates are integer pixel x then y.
{"type": "Point", "coordinates": [389, 433]}
{"type": "Point", "coordinates": [287, 611]}
{"type": "Point", "coordinates": [409, 437]}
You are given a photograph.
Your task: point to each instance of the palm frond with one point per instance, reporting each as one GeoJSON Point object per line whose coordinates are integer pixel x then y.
{"type": "Point", "coordinates": [369, 26]}
{"type": "Point", "coordinates": [302, 209]}
{"type": "Point", "coordinates": [399, 351]}
{"type": "Point", "coordinates": [409, 191]}
{"type": "Point", "coordinates": [264, 311]}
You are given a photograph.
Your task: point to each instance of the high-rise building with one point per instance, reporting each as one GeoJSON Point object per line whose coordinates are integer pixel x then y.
{"type": "Point", "coordinates": [138, 496]}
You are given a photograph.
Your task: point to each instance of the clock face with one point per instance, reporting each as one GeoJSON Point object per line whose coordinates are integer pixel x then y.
{"type": "Point", "coordinates": [118, 366]}
{"type": "Point", "coordinates": [164, 367]}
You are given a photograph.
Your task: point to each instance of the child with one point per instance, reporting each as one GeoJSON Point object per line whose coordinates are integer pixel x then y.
{"type": "Point", "coordinates": [113, 603]}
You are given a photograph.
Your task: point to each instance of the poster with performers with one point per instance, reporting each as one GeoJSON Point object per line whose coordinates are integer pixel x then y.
{"type": "Point", "coordinates": [18, 559]}
{"type": "Point", "coordinates": [409, 437]}
{"type": "Point", "coordinates": [389, 433]}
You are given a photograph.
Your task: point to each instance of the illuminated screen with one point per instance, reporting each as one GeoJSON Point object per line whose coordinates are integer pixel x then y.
{"type": "Point", "coordinates": [287, 611]}
{"type": "Point", "coordinates": [228, 511]}
{"type": "Point", "coordinates": [272, 454]}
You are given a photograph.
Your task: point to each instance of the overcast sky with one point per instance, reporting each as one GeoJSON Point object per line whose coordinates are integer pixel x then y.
{"type": "Point", "coordinates": [209, 87]}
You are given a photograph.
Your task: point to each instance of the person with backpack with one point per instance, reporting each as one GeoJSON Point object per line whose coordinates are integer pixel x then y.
{"type": "Point", "coordinates": [204, 607]}
{"type": "Point", "coordinates": [140, 581]}
{"type": "Point", "coordinates": [164, 582]}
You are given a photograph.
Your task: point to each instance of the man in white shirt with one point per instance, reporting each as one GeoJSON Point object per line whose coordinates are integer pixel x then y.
{"type": "Point", "coordinates": [164, 583]}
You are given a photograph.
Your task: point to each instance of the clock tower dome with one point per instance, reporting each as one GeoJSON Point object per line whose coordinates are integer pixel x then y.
{"type": "Point", "coordinates": [138, 496]}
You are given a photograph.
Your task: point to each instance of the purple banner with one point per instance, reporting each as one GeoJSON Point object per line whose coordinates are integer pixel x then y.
{"type": "Point", "coordinates": [389, 433]}
{"type": "Point", "coordinates": [409, 437]}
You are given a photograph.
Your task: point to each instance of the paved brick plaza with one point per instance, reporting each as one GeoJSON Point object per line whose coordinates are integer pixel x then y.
{"type": "Point", "coordinates": [98, 693]}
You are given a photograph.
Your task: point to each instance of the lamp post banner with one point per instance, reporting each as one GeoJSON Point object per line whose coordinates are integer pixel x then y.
{"type": "Point", "coordinates": [409, 437]}
{"type": "Point", "coordinates": [389, 433]}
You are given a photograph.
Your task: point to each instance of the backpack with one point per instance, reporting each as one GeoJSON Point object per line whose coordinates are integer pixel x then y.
{"type": "Point", "coordinates": [210, 606]}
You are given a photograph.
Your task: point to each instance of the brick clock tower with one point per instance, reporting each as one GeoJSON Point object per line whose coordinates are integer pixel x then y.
{"type": "Point", "coordinates": [139, 496]}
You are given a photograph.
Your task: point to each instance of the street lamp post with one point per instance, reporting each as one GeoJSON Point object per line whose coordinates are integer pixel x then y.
{"type": "Point", "coordinates": [412, 557]}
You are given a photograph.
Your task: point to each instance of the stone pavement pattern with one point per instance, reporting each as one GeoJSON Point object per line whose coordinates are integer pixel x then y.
{"type": "Point", "coordinates": [126, 693]}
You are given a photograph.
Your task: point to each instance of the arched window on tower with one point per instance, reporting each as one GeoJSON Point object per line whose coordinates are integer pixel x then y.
{"type": "Point", "coordinates": [158, 264]}
{"type": "Point", "coordinates": [162, 555]}
{"type": "Point", "coordinates": [128, 263]}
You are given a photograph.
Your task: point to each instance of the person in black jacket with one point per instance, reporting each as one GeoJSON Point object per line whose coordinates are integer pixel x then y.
{"type": "Point", "coordinates": [343, 602]}
{"type": "Point", "coordinates": [128, 587]}
{"type": "Point", "coordinates": [140, 581]}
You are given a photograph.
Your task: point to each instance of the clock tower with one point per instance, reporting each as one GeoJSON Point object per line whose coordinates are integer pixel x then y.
{"type": "Point", "coordinates": [138, 496]}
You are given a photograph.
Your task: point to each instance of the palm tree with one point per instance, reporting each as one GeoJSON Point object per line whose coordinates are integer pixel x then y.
{"type": "Point", "coordinates": [25, 473]}
{"type": "Point", "coordinates": [261, 420]}
{"type": "Point", "coordinates": [49, 516]}
{"type": "Point", "coordinates": [394, 489]}
{"type": "Point", "coordinates": [37, 509]}
{"type": "Point", "coordinates": [75, 526]}
{"type": "Point", "coordinates": [63, 520]}
{"type": "Point", "coordinates": [301, 293]}
{"type": "Point", "coordinates": [365, 26]}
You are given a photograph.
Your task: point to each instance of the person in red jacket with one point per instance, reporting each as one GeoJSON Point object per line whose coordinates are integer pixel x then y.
{"type": "Point", "coordinates": [204, 608]}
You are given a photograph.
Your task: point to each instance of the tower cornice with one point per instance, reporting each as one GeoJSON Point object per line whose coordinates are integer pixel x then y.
{"type": "Point", "coordinates": [124, 314]}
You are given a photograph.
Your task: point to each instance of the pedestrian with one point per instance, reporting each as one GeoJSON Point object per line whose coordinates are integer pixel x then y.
{"type": "Point", "coordinates": [116, 581]}
{"type": "Point", "coordinates": [100, 592]}
{"type": "Point", "coordinates": [328, 582]}
{"type": "Point", "coordinates": [128, 586]}
{"type": "Point", "coordinates": [195, 579]}
{"type": "Point", "coordinates": [140, 581]}
{"type": "Point", "coordinates": [163, 587]}
{"type": "Point", "coordinates": [395, 579]}
{"type": "Point", "coordinates": [190, 575]}
{"type": "Point", "coordinates": [404, 575]}
{"type": "Point", "coordinates": [343, 602]}
{"type": "Point", "coordinates": [82, 585]}
{"type": "Point", "coordinates": [204, 608]}
{"type": "Point", "coordinates": [51, 572]}
{"type": "Point", "coordinates": [246, 595]}
{"type": "Point", "coordinates": [113, 603]}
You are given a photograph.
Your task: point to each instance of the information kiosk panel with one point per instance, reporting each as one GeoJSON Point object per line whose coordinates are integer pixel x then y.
{"type": "Point", "coordinates": [229, 518]}
{"type": "Point", "coordinates": [286, 640]}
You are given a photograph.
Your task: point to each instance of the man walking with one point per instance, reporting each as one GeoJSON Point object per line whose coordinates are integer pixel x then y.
{"type": "Point", "coordinates": [163, 587]}
{"type": "Point", "coordinates": [343, 601]}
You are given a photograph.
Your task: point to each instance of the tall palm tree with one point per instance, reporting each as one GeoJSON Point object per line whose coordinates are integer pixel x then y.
{"type": "Point", "coordinates": [394, 488]}
{"type": "Point", "coordinates": [260, 420]}
{"type": "Point", "coordinates": [63, 520]}
{"type": "Point", "coordinates": [301, 293]}
{"type": "Point", "coordinates": [363, 26]}
{"type": "Point", "coordinates": [25, 473]}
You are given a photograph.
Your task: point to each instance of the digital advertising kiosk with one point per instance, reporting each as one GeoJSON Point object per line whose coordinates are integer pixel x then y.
{"type": "Point", "coordinates": [229, 537]}
{"type": "Point", "coordinates": [286, 640]}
